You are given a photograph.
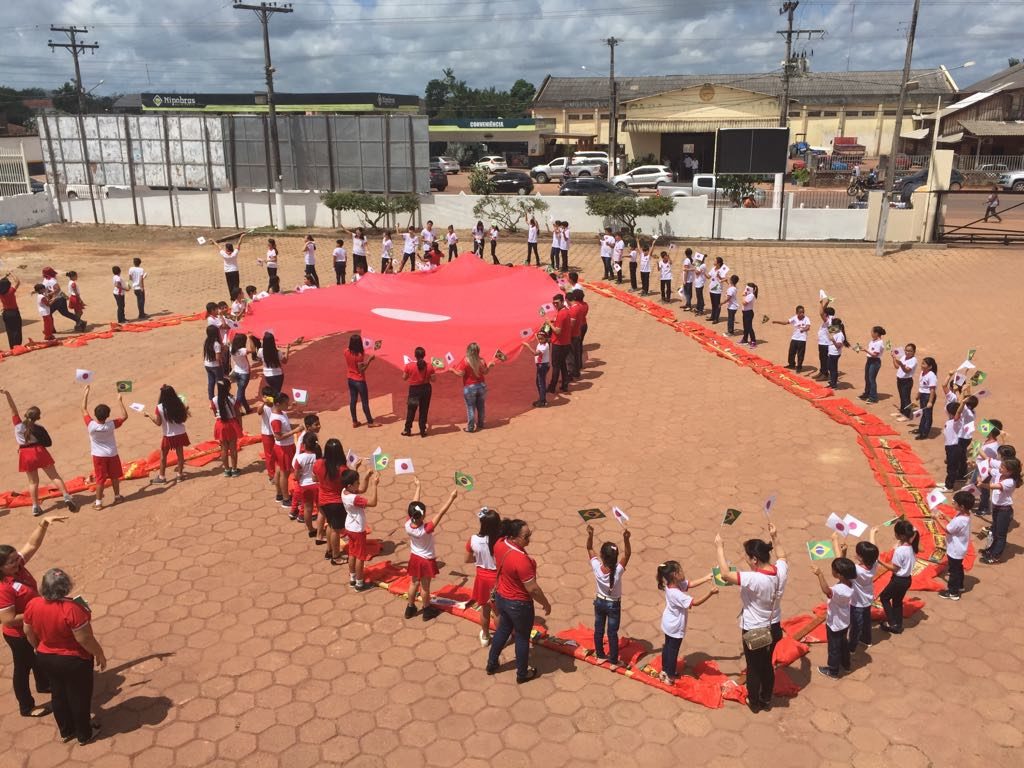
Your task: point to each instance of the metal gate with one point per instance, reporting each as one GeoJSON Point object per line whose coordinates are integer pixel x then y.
{"type": "Point", "coordinates": [963, 217]}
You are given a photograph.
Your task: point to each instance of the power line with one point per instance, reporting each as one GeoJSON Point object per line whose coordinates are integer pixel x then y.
{"type": "Point", "coordinates": [788, 66]}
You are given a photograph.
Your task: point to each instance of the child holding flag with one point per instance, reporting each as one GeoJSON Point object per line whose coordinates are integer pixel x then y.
{"type": "Point", "coordinates": [422, 555]}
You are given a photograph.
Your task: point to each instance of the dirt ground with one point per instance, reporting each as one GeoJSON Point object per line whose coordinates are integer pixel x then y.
{"type": "Point", "coordinates": [232, 642]}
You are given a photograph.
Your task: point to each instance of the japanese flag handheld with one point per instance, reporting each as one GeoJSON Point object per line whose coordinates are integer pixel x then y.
{"type": "Point", "coordinates": [83, 376]}
{"type": "Point", "coordinates": [404, 467]}
{"type": "Point", "coordinates": [367, 343]}
{"type": "Point", "coordinates": [449, 358]}
{"type": "Point", "coordinates": [201, 240]}
{"type": "Point", "coordinates": [546, 308]}
{"type": "Point", "coordinates": [525, 333]}
{"type": "Point", "coordinates": [621, 516]}
{"type": "Point", "coordinates": [835, 522]}
{"type": "Point", "coordinates": [406, 359]}
{"type": "Point", "coordinates": [300, 396]}
{"type": "Point", "coordinates": [137, 407]}
{"type": "Point", "coordinates": [769, 505]}
{"type": "Point", "coordinates": [935, 498]}
{"type": "Point", "coordinates": [854, 527]}
{"type": "Point", "coordinates": [352, 458]}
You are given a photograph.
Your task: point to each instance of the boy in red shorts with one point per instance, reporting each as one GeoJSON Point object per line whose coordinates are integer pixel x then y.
{"type": "Point", "coordinates": [106, 465]}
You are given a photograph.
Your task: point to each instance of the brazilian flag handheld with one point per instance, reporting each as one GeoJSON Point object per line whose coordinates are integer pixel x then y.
{"type": "Point", "coordinates": [464, 481]}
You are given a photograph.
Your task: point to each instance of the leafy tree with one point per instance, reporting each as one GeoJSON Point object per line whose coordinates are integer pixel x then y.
{"type": "Point", "coordinates": [448, 97]}
{"type": "Point", "coordinates": [65, 99]}
{"type": "Point", "coordinates": [1013, 61]}
{"type": "Point", "coordinates": [373, 210]}
{"type": "Point", "coordinates": [507, 212]}
{"type": "Point", "coordinates": [480, 182]}
{"type": "Point", "coordinates": [735, 188]}
{"type": "Point", "coordinates": [626, 209]}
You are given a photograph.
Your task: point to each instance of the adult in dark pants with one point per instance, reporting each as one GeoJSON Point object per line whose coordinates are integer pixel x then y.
{"type": "Point", "coordinates": [826, 313]}
{"type": "Point", "coordinates": [517, 589]}
{"type": "Point", "coordinates": [759, 590]}
{"type": "Point", "coordinates": [782, 570]}
{"type": "Point", "coordinates": [356, 363]}
{"type": "Point", "coordinates": [60, 630]}
{"type": "Point", "coordinates": [578, 314]}
{"type": "Point", "coordinates": [716, 275]}
{"type": "Point", "coordinates": [798, 341]}
{"type": "Point", "coordinates": [873, 364]}
{"type": "Point", "coordinates": [11, 314]}
{"type": "Point", "coordinates": [419, 375]}
{"type": "Point", "coordinates": [563, 245]}
{"type": "Point", "coordinates": [561, 345]}
{"type": "Point", "coordinates": [229, 254]}
{"type": "Point", "coordinates": [309, 259]}
{"type": "Point", "coordinates": [17, 589]}
{"type": "Point", "coordinates": [905, 365]}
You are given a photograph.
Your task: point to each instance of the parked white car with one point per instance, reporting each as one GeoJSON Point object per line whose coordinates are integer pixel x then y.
{"type": "Point", "coordinates": [447, 164]}
{"type": "Point", "coordinates": [644, 176]}
{"type": "Point", "coordinates": [492, 163]}
{"type": "Point", "coordinates": [590, 154]}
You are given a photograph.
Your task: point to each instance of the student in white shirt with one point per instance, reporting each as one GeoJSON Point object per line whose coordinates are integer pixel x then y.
{"type": "Point", "coordinates": [688, 280]}
{"type": "Point", "coordinates": [340, 262]}
{"type": "Point", "coordinates": [359, 240]}
{"type": "Point", "coordinates": [478, 239]}
{"type": "Point", "coordinates": [674, 618]}
{"type": "Point", "coordinates": [902, 567]}
{"type": "Point", "coordinates": [747, 308]}
{"type": "Point", "coordinates": [633, 253]}
{"type": "Point", "coordinates": [836, 341]}
{"type": "Point", "coordinates": [826, 313]}
{"type": "Point", "coordinates": [119, 293]}
{"type": "Point", "coordinates": [863, 588]}
{"type": "Point", "coordinates": [837, 616]}
{"type": "Point", "coordinates": [958, 539]}
{"type": "Point", "coordinates": [428, 236]}
{"type": "Point", "coordinates": [480, 550]}
{"type": "Point", "coordinates": [229, 255]}
{"type": "Point", "coordinates": [387, 247]}
{"type": "Point", "coordinates": [309, 259]}
{"type": "Point", "coordinates": [665, 270]}
{"type": "Point", "coordinates": [564, 241]}
{"type": "Point", "coordinates": [645, 270]}
{"type": "Point", "coordinates": [732, 304]}
{"type": "Point", "coordinates": [798, 341]}
{"type": "Point", "coordinates": [103, 446]}
{"type": "Point", "coordinates": [927, 388]}
{"type": "Point", "coordinates": [493, 235]}
{"type": "Point", "coordinates": [965, 413]}
{"type": "Point", "coordinates": [1002, 488]}
{"type": "Point", "coordinates": [699, 274]}
{"type": "Point", "coordinates": [618, 247]}
{"type": "Point", "coordinates": [422, 556]}
{"type": "Point", "coordinates": [608, 570]}
{"type": "Point", "coordinates": [873, 364]}
{"type": "Point", "coordinates": [951, 441]}
{"type": "Point", "coordinates": [905, 362]}
{"type": "Point", "coordinates": [542, 357]}
{"type": "Point", "coordinates": [271, 265]}
{"type": "Point", "coordinates": [556, 239]}
{"type": "Point", "coordinates": [607, 241]}
{"type": "Point", "coordinates": [240, 369]}
{"type": "Point", "coordinates": [716, 275]}
{"type": "Point", "coordinates": [452, 240]}
{"type": "Point", "coordinates": [532, 232]}
{"type": "Point", "coordinates": [46, 315]}
{"type": "Point", "coordinates": [137, 277]}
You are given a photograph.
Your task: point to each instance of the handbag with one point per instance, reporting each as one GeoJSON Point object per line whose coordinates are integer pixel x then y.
{"type": "Point", "coordinates": [494, 589]}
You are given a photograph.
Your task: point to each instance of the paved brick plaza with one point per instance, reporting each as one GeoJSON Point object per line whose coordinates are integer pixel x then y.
{"type": "Point", "coordinates": [232, 642]}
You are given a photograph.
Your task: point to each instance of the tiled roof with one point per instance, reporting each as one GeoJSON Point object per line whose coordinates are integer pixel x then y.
{"type": "Point", "coordinates": [833, 87]}
{"type": "Point", "coordinates": [993, 127]}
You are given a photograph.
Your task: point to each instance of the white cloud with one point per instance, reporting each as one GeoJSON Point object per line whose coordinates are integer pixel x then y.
{"type": "Point", "coordinates": [397, 45]}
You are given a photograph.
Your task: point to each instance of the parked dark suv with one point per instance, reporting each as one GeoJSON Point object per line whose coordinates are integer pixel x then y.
{"type": "Point", "coordinates": [590, 186]}
{"type": "Point", "coordinates": [514, 182]}
{"type": "Point", "coordinates": [438, 178]}
{"type": "Point", "coordinates": [905, 187]}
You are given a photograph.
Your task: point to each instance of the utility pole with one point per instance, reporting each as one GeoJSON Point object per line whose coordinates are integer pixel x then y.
{"type": "Point", "coordinates": [263, 12]}
{"type": "Point", "coordinates": [76, 48]}
{"type": "Point", "coordinates": [890, 171]}
{"type": "Point", "coordinates": [789, 65]}
{"type": "Point", "coordinates": [613, 124]}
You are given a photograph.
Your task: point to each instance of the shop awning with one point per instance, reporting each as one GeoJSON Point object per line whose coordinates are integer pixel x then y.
{"type": "Point", "coordinates": [567, 135]}
{"type": "Point", "coordinates": [993, 127]}
{"type": "Point", "coordinates": [953, 138]}
{"type": "Point", "coordinates": [915, 135]}
{"type": "Point", "coordinates": [709, 125]}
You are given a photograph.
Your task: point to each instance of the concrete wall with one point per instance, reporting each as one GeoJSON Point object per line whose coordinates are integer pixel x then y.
{"type": "Point", "coordinates": [27, 210]}
{"type": "Point", "coordinates": [692, 217]}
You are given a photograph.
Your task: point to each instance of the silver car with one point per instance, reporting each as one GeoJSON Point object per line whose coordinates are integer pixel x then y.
{"type": "Point", "coordinates": [644, 176]}
{"type": "Point", "coordinates": [447, 164]}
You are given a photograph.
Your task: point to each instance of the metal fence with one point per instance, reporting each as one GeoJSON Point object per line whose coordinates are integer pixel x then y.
{"type": "Point", "coordinates": [14, 178]}
{"type": "Point", "coordinates": [93, 155]}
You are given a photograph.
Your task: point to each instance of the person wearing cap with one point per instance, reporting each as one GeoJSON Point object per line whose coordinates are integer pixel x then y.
{"type": "Point", "coordinates": [57, 299]}
{"type": "Point", "coordinates": [422, 555]}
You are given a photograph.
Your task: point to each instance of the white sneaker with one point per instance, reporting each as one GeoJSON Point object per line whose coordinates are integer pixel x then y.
{"type": "Point", "coordinates": [485, 639]}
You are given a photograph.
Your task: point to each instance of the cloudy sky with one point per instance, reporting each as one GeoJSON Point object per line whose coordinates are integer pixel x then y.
{"type": "Point", "coordinates": [398, 45]}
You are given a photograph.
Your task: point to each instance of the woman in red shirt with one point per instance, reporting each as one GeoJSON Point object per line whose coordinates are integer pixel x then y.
{"type": "Point", "coordinates": [473, 370]}
{"type": "Point", "coordinates": [328, 472]}
{"type": "Point", "coordinates": [17, 589]}
{"type": "Point", "coordinates": [419, 375]}
{"type": "Point", "coordinates": [357, 362]}
{"type": "Point", "coordinates": [60, 631]}
{"type": "Point", "coordinates": [11, 314]}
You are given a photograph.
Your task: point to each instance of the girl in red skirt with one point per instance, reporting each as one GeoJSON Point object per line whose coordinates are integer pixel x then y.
{"type": "Point", "coordinates": [306, 487]}
{"type": "Point", "coordinates": [75, 303]}
{"type": "Point", "coordinates": [480, 549]}
{"type": "Point", "coordinates": [106, 464]}
{"type": "Point", "coordinates": [170, 415]}
{"type": "Point", "coordinates": [422, 559]}
{"type": "Point", "coordinates": [228, 427]}
{"type": "Point", "coordinates": [33, 441]}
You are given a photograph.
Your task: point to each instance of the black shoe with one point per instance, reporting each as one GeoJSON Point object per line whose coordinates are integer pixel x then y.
{"type": "Point", "coordinates": [531, 674]}
{"type": "Point", "coordinates": [753, 706]}
{"type": "Point", "coordinates": [364, 586]}
{"type": "Point", "coordinates": [828, 673]}
{"type": "Point", "coordinates": [490, 670]}
{"type": "Point", "coordinates": [766, 706]}
{"type": "Point", "coordinates": [430, 612]}
{"type": "Point", "coordinates": [410, 611]}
